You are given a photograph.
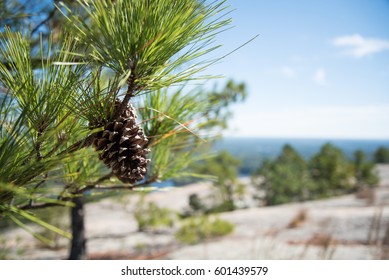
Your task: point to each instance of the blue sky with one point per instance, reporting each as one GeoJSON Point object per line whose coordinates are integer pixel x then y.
{"type": "Point", "coordinates": [319, 69]}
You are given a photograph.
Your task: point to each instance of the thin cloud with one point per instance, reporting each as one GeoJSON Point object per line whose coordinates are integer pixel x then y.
{"type": "Point", "coordinates": [320, 77]}
{"type": "Point", "coordinates": [359, 46]}
{"type": "Point", "coordinates": [364, 121]}
{"type": "Point", "coordinates": [288, 72]}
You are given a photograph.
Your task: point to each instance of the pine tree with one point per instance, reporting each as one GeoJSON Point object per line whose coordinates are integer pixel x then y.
{"type": "Point", "coordinates": [92, 104]}
{"type": "Point", "coordinates": [286, 178]}
{"type": "Point", "coordinates": [381, 155]}
{"type": "Point", "coordinates": [332, 172]}
{"type": "Point", "coordinates": [365, 173]}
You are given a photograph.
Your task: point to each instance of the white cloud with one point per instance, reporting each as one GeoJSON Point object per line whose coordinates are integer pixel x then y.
{"type": "Point", "coordinates": [359, 122]}
{"type": "Point", "coordinates": [288, 72]}
{"type": "Point", "coordinates": [359, 46]}
{"type": "Point", "coordinates": [320, 76]}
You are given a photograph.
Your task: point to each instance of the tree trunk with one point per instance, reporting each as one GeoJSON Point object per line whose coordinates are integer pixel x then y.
{"type": "Point", "coordinates": [78, 246]}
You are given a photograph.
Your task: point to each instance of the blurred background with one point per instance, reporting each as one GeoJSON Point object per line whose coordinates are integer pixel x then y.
{"type": "Point", "coordinates": [302, 168]}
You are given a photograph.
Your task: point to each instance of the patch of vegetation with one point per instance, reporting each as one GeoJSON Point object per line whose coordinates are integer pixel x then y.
{"type": "Point", "coordinates": [224, 169]}
{"type": "Point", "coordinates": [331, 171]}
{"type": "Point", "coordinates": [197, 229]}
{"type": "Point", "coordinates": [198, 207]}
{"type": "Point", "coordinates": [364, 170]}
{"type": "Point", "coordinates": [381, 155]}
{"type": "Point", "coordinates": [150, 216]}
{"type": "Point", "coordinates": [8, 252]}
{"type": "Point", "coordinates": [196, 204]}
{"type": "Point", "coordinates": [286, 178]}
{"type": "Point", "coordinates": [290, 178]}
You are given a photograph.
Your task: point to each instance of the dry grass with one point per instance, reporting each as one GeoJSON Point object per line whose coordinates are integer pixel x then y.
{"type": "Point", "coordinates": [369, 194]}
{"type": "Point", "coordinates": [385, 245]}
{"type": "Point", "coordinates": [379, 243]}
{"type": "Point", "coordinates": [299, 219]}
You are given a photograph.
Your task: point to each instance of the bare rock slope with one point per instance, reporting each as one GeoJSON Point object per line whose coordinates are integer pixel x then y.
{"type": "Point", "coordinates": [345, 227]}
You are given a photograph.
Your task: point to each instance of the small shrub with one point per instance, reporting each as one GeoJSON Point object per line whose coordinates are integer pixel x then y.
{"type": "Point", "coordinates": [225, 206]}
{"type": "Point", "coordinates": [195, 203]}
{"type": "Point", "coordinates": [197, 229]}
{"type": "Point", "coordinates": [150, 216]}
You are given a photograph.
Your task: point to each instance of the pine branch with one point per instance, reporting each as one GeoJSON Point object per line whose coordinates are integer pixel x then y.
{"type": "Point", "coordinates": [132, 88]}
{"type": "Point", "coordinates": [44, 205]}
{"type": "Point", "coordinates": [160, 36]}
{"type": "Point", "coordinates": [120, 187]}
{"type": "Point", "coordinates": [39, 141]}
{"type": "Point", "coordinates": [95, 186]}
{"type": "Point", "coordinates": [45, 176]}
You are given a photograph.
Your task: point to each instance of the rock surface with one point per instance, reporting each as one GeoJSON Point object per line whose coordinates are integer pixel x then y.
{"type": "Point", "coordinates": [344, 227]}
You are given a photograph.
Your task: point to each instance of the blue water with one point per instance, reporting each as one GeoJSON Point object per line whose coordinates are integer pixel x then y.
{"type": "Point", "coordinates": [251, 151]}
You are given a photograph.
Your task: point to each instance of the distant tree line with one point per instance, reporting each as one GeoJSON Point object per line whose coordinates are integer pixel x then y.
{"type": "Point", "coordinates": [289, 177]}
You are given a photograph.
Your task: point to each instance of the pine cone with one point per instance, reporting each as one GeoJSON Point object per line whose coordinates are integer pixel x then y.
{"type": "Point", "coordinates": [123, 146]}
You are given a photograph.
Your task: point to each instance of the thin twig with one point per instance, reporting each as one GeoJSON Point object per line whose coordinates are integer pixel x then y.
{"type": "Point", "coordinates": [45, 176]}
{"type": "Point", "coordinates": [49, 17]}
{"type": "Point", "coordinates": [131, 89]}
{"type": "Point", "coordinates": [120, 187]}
{"type": "Point", "coordinates": [44, 205]}
{"type": "Point", "coordinates": [60, 198]}
{"type": "Point", "coordinates": [39, 143]}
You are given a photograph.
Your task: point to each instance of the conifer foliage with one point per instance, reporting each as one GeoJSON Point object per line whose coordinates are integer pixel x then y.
{"type": "Point", "coordinates": [100, 80]}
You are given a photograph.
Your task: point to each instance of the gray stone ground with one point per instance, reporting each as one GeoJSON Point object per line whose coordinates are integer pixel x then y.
{"type": "Point", "coordinates": [338, 228]}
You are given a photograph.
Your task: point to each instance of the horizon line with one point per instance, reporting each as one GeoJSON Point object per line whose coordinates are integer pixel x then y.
{"type": "Point", "coordinates": [306, 138]}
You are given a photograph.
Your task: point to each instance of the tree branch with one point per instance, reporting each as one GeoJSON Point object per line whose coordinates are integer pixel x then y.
{"type": "Point", "coordinates": [119, 187]}
{"type": "Point", "coordinates": [130, 89]}
{"type": "Point", "coordinates": [43, 205]}
{"type": "Point", "coordinates": [88, 188]}
{"type": "Point", "coordinates": [45, 176]}
{"type": "Point", "coordinates": [49, 17]}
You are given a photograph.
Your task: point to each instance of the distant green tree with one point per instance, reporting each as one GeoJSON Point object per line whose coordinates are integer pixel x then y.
{"type": "Point", "coordinates": [331, 171]}
{"type": "Point", "coordinates": [224, 167]}
{"type": "Point", "coordinates": [365, 174]}
{"type": "Point", "coordinates": [286, 178]}
{"type": "Point", "coordinates": [381, 155]}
